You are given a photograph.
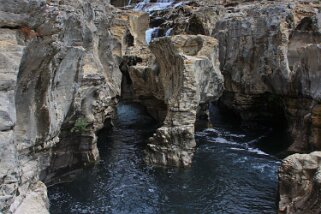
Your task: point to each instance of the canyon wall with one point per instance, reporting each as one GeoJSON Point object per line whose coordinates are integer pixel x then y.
{"type": "Point", "coordinates": [59, 83]}
{"type": "Point", "coordinates": [269, 55]}
{"type": "Point", "coordinates": [65, 64]}
{"type": "Point", "coordinates": [270, 58]}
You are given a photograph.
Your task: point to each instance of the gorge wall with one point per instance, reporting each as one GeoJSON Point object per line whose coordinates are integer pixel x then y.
{"type": "Point", "coordinates": [59, 82]}
{"type": "Point", "coordinates": [65, 64]}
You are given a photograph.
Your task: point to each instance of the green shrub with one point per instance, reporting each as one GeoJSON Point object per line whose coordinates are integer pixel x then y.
{"type": "Point", "coordinates": [80, 125]}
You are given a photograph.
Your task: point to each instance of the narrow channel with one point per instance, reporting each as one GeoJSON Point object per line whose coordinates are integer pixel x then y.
{"type": "Point", "coordinates": [230, 173]}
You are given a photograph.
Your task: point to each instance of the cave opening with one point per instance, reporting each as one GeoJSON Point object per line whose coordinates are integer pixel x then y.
{"type": "Point", "coordinates": [262, 114]}
{"type": "Point", "coordinates": [129, 117]}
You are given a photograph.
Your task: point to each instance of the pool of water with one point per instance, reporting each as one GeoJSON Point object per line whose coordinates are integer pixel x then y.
{"type": "Point", "coordinates": [230, 173]}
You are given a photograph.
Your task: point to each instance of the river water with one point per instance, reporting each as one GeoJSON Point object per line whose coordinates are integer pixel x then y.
{"type": "Point", "coordinates": [229, 174]}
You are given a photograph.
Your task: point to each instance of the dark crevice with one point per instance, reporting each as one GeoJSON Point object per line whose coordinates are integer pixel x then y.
{"type": "Point", "coordinates": [195, 26]}
{"type": "Point", "coordinates": [306, 24]}
{"type": "Point", "coordinates": [129, 39]}
{"type": "Point", "coordinates": [261, 114]}
{"type": "Point", "coordinates": [126, 83]}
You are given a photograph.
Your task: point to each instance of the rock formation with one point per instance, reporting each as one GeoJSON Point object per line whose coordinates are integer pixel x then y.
{"type": "Point", "coordinates": [185, 76]}
{"type": "Point", "coordinates": [65, 64]}
{"type": "Point", "coordinates": [270, 53]}
{"type": "Point", "coordinates": [59, 82]}
{"type": "Point", "coordinates": [269, 57]}
{"type": "Point", "coordinates": [300, 184]}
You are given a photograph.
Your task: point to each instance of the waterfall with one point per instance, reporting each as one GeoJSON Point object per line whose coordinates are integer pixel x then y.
{"type": "Point", "coordinates": [150, 33]}
{"type": "Point", "coordinates": [169, 32]}
{"type": "Point", "coordinates": [147, 6]}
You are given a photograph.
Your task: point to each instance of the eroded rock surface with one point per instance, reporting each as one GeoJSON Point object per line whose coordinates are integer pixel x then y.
{"type": "Point", "coordinates": [64, 65]}
{"type": "Point", "coordinates": [269, 52]}
{"type": "Point", "coordinates": [185, 75]}
{"type": "Point", "coordinates": [57, 67]}
{"type": "Point", "coordinates": [300, 184]}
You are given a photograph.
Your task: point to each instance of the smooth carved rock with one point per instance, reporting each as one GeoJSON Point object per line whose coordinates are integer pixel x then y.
{"type": "Point", "coordinates": [300, 184]}
{"type": "Point", "coordinates": [188, 75]}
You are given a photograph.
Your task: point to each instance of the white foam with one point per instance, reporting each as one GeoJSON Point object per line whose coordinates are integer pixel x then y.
{"type": "Point", "coordinates": [225, 133]}
{"type": "Point", "coordinates": [169, 32]}
{"type": "Point", "coordinates": [149, 34]}
{"type": "Point", "coordinates": [237, 149]}
{"type": "Point", "coordinates": [251, 150]}
{"type": "Point", "coordinates": [210, 130]}
{"type": "Point", "coordinates": [257, 151]}
{"type": "Point", "coordinates": [149, 7]}
{"type": "Point", "coordinates": [222, 141]}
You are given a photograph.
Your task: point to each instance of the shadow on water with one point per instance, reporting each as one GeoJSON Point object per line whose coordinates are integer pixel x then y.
{"type": "Point", "coordinates": [230, 173]}
{"type": "Point", "coordinates": [272, 138]}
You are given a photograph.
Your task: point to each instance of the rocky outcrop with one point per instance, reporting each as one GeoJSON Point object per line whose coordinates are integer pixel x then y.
{"type": "Point", "coordinates": [269, 52]}
{"type": "Point", "coordinates": [59, 83]}
{"type": "Point", "coordinates": [189, 17]}
{"type": "Point", "coordinates": [64, 65]}
{"type": "Point", "coordinates": [300, 184]}
{"type": "Point", "coordinates": [185, 75]}
{"type": "Point", "coordinates": [270, 59]}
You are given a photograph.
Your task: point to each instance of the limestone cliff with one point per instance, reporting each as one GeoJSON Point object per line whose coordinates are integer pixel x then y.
{"type": "Point", "coordinates": [65, 64]}
{"type": "Point", "coordinates": [270, 53]}
{"type": "Point", "coordinates": [59, 82]}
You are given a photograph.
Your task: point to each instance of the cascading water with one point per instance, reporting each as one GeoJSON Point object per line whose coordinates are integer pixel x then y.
{"type": "Point", "coordinates": [148, 6]}
{"type": "Point", "coordinates": [169, 32]}
{"type": "Point", "coordinates": [150, 34]}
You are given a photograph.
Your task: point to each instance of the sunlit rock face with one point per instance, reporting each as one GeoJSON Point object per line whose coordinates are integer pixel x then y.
{"type": "Point", "coordinates": [10, 57]}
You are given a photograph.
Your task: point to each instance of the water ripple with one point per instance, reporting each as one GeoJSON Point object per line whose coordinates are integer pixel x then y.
{"type": "Point", "coordinates": [228, 175]}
